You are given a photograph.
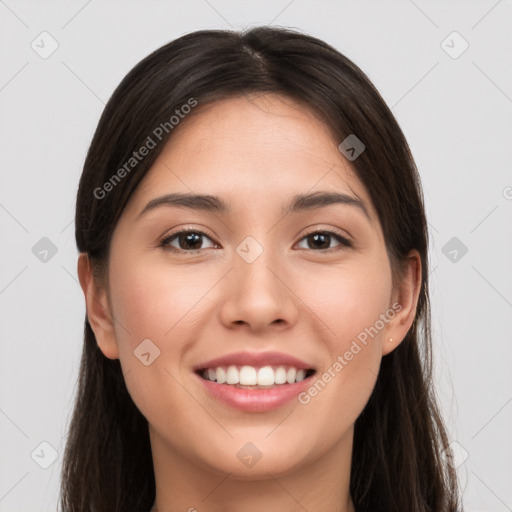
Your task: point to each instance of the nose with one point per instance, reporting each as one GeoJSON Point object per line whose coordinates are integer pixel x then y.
{"type": "Point", "coordinates": [258, 296]}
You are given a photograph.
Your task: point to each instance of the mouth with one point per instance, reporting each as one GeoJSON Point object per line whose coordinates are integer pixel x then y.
{"type": "Point", "coordinates": [254, 389]}
{"type": "Point", "coordinates": [255, 377]}
{"type": "Point", "coordinates": [254, 381]}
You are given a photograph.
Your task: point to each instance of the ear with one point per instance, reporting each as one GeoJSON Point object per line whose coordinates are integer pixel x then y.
{"type": "Point", "coordinates": [404, 303]}
{"type": "Point", "coordinates": [98, 309]}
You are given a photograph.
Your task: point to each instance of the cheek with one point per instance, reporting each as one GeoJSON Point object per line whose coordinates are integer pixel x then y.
{"type": "Point", "coordinates": [349, 304]}
{"type": "Point", "coordinates": [155, 302]}
{"type": "Point", "coordinates": [347, 300]}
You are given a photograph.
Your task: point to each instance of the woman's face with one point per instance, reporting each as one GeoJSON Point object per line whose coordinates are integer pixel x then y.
{"type": "Point", "coordinates": [265, 277]}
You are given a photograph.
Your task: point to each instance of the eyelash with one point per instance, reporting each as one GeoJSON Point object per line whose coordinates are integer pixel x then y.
{"type": "Point", "coordinates": [164, 243]}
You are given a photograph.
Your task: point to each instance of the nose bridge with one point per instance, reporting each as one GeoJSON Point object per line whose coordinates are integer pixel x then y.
{"type": "Point", "coordinates": [257, 294]}
{"type": "Point", "coordinates": [253, 269]}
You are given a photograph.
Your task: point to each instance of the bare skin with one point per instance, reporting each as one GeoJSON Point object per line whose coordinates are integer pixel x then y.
{"type": "Point", "coordinates": [207, 301]}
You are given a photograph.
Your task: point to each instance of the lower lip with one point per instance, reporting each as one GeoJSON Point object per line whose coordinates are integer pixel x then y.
{"type": "Point", "coordinates": [255, 400]}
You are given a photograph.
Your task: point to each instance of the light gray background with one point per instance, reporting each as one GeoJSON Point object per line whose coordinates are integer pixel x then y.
{"type": "Point", "coordinates": [456, 114]}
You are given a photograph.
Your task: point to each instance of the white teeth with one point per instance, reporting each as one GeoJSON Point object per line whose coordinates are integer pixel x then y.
{"type": "Point", "coordinates": [280, 375]}
{"type": "Point", "coordinates": [300, 375]}
{"type": "Point", "coordinates": [220, 375]}
{"type": "Point", "coordinates": [266, 376]}
{"type": "Point", "coordinates": [290, 375]}
{"type": "Point", "coordinates": [247, 376]}
{"type": "Point", "coordinates": [232, 375]}
{"type": "Point", "coordinates": [251, 376]}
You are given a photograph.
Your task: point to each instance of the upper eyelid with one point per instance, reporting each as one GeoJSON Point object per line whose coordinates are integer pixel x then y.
{"type": "Point", "coordinates": [330, 231]}
{"type": "Point", "coordinates": [188, 230]}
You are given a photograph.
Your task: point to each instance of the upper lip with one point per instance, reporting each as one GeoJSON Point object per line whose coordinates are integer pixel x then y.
{"type": "Point", "coordinates": [255, 359]}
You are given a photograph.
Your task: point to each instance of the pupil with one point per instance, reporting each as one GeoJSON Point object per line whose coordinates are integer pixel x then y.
{"type": "Point", "coordinates": [317, 236]}
{"type": "Point", "coordinates": [191, 239]}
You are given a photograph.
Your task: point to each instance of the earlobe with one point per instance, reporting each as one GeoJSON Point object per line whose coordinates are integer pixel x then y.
{"type": "Point", "coordinates": [406, 296]}
{"type": "Point", "coordinates": [98, 310]}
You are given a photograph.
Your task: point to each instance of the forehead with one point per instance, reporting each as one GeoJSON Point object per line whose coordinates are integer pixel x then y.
{"type": "Point", "coordinates": [254, 150]}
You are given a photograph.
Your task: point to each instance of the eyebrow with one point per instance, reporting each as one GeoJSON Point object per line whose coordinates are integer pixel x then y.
{"type": "Point", "coordinates": [214, 204]}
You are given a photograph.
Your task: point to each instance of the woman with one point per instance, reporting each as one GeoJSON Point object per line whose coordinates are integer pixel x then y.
{"type": "Point", "coordinates": [253, 256]}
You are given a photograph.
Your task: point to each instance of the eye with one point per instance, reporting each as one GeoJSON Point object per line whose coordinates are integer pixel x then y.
{"type": "Point", "coordinates": [321, 240]}
{"type": "Point", "coordinates": [188, 241]}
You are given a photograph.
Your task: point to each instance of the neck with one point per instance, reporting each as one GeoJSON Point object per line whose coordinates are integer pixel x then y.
{"type": "Point", "coordinates": [182, 485]}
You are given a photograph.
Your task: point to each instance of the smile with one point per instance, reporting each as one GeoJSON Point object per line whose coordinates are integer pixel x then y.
{"type": "Point", "coordinates": [254, 377]}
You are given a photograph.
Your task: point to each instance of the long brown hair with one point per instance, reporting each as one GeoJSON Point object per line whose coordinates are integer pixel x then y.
{"type": "Point", "coordinates": [398, 462]}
